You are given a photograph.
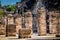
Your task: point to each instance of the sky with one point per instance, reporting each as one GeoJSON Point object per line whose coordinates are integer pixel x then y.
{"type": "Point", "coordinates": [5, 2]}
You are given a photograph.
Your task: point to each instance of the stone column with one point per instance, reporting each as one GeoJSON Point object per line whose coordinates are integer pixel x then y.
{"type": "Point", "coordinates": [28, 20]}
{"type": "Point", "coordinates": [18, 21]}
{"type": "Point", "coordinates": [53, 21]}
{"type": "Point", "coordinates": [41, 21]}
{"type": "Point", "coordinates": [2, 29]}
{"type": "Point", "coordinates": [26, 31]}
{"type": "Point", "coordinates": [2, 26]}
{"type": "Point", "coordinates": [58, 24]}
{"type": "Point", "coordinates": [11, 27]}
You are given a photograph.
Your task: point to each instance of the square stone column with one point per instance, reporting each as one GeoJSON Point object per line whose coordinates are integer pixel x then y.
{"type": "Point", "coordinates": [53, 21]}
{"type": "Point", "coordinates": [41, 21]}
{"type": "Point", "coordinates": [18, 22]}
{"type": "Point", "coordinates": [28, 20]}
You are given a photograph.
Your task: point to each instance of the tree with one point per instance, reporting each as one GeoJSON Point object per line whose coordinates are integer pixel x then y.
{"type": "Point", "coordinates": [10, 7]}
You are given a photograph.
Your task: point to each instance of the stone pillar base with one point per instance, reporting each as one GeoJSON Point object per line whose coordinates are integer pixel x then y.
{"type": "Point", "coordinates": [11, 30]}
{"type": "Point", "coordinates": [24, 33]}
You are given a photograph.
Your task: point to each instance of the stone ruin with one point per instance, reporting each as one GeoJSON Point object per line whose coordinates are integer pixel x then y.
{"type": "Point", "coordinates": [10, 26]}
{"type": "Point", "coordinates": [14, 23]}
{"type": "Point", "coordinates": [10, 30]}
{"type": "Point", "coordinates": [53, 21]}
{"type": "Point", "coordinates": [41, 20]}
{"type": "Point", "coordinates": [18, 22]}
{"type": "Point", "coordinates": [2, 27]}
{"type": "Point", "coordinates": [27, 30]}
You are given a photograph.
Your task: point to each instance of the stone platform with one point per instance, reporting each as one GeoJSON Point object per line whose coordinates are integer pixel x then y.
{"type": "Point", "coordinates": [34, 37]}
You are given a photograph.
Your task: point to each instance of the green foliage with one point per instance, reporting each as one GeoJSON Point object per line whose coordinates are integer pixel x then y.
{"type": "Point", "coordinates": [1, 12]}
{"type": "Point", "coordinates": [10, 7]}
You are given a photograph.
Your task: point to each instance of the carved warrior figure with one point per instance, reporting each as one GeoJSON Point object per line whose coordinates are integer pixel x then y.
{"type": "Point", "coordinates": [53, 21]}
{"type": "Point", "coordinates": [28, 19]}
{"type": "Point", "coordinates": [18, 22]}
{"type": "Point", "coordinates": [58, 24]}
{"type": "Point", "coordinates": [41, 19]}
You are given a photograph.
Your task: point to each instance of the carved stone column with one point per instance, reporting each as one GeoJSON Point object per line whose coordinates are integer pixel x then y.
{"type": "Point", "coordinates": [28, 21]}
{"type": "Point", "coordinates": [10, 27]}
{"type": "Point", "coordinates": [58, 24]}
{"type": "Point", "coordinates": [41, 21]}
{"type": "Point", "coordinates": [53, 20]}
{"type": "Point", "coordinates": [2, 29]}
{"type": "Point", "coordinates": [18, 21]}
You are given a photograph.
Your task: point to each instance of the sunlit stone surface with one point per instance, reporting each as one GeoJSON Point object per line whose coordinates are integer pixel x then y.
{"type": "Point", "coordinates": [58, 24]}
{"type": "Point", "coordinates": [11, 30]}
{"type": "Point", "coordinates": [2, 29]}
{"type": "Point", "coordinates": [28, 20]}
{"type": "Point", "coordinates": [25, 33]}
{"type": "Point", "coordinates": [41, 19]}
{"type": "Point", "coordinates": [18, 21]}
{"type": "Point", "coordinates": [10, 19]}
{"type": "Point", "coordinates": [53, 21]}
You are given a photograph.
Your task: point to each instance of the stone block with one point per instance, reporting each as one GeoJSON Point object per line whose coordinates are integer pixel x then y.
{"type": "Point", "coordinates": [41, 21]}
{"type": "Point", "coordinates": [2, 29]}
{"type": "Point", "coordinates": [11, 30]}
{"type": "Point", "coordinates": [25, 33]}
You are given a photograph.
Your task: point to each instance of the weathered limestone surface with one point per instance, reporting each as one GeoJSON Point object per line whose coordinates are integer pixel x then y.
{"type": "Point", "coordinates": [41, 19]}
{"type": "Point", "coordinates": [10, 19]}
{"type": "Point", "coordinates": [27, 30]}
{"type": "Point", "coordinates": [18, 21]}
{"type": "Point", "coordinates": [11, 30]}
{"type": "Point", "coordinates": [53, 21]}
{"type": "Point", "coordinates": [58, 24]}
{"type": "Point", "coordinates": [2, 29]}
{"type": "Point", "coordinates": [25, 33]}
{"type": "Point", "coordinates": [28, 20]}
